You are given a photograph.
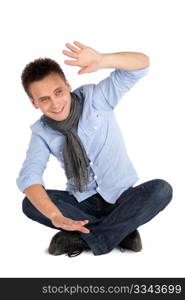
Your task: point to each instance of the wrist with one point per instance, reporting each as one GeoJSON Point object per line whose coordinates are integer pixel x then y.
{"type": "Point", "coordinates": [106, 60]}
{"type": "Point", "coordinates": [54, 215]}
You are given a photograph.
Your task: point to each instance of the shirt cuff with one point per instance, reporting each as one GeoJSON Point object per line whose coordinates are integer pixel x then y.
{"type": "Point", "coordinates": [27, 181]}
{"type": "Point", "coordinates": [135, 73]}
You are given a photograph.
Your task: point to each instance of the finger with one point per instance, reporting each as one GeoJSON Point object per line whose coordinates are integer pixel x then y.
{"type": "Point", "coordinates": [84, 70]}
{"type": "Point", "coordinates": [71, 62]}
{"type": "Point", "coordinates": [75, 228]}
{"type": "Point", "coordinates": [84, 221]}
{"type": "Point", "coordinates": [80, 45]}
{"type": "Point", "coordinates": [70, 54]}
{"type": "Point", "coordinates": [80, 227]}
{"type": "Point", "coordinates": [72, 48]}
{"type": "Point", "coordinates": [70, 222]}
{"type": "Point", "coordinates": [79, 223]}
{"type": "Point", "coordinates": [84, 230]}
{"type": "Point", "coordinates": [75, 221]}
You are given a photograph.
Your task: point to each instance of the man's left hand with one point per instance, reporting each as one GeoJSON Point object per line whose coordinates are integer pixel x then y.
{"type": "Point", "coordinates": [85, 57]}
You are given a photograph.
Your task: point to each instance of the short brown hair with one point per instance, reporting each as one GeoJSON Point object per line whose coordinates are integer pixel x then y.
{"type": "Point", "coordinates": [37, 70]}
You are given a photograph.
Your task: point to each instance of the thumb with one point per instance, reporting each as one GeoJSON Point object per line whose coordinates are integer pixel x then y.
{"type": "Point", "coordinates": [84, 70]}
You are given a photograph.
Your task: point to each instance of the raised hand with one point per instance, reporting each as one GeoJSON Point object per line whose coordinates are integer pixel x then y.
{"type": "Point", "coordinates": [85, 57]}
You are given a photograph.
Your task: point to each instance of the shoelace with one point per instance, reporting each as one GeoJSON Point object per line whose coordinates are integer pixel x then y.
{"type": "Point", "coordinates": [122, 249]}
{"type": "Point", "coordinates": [73, 253]}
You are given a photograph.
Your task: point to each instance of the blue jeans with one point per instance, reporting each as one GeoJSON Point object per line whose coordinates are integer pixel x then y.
{"type": "Point", "coordinates": [108, 223]}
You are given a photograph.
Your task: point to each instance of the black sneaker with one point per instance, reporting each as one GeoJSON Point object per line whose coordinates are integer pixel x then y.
{"type": "Point", "coordinates": [132, 242]}
{"type": "Point", "coordinates": [67, 242]}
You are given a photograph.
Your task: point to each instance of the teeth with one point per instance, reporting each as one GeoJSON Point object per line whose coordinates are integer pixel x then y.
{"type": "Point", "coordinates": [57, 111]}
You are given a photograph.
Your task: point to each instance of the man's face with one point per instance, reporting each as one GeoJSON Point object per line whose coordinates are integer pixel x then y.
{"type": "Point", "coordinates": [52, 96]}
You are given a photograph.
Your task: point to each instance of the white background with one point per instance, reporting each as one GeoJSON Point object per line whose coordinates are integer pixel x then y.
{"type": "Point", "coordinates": [151, 117]}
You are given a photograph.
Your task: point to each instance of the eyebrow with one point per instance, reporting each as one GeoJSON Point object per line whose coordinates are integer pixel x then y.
{"type": "Point", "coordinates": [43, 97]}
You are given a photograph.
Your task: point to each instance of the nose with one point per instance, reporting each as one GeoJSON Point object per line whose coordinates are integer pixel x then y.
{"type": "Point", "coordinates": [55, 103]}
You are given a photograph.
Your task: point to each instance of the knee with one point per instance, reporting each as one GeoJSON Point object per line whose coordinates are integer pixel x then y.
{"type": "Point", "coordinates": [165, 190]}
{"type": "Point", "coordinates": [26, 206]}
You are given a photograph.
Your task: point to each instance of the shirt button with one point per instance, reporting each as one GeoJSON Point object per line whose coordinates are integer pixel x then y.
{"type": "Point", "coordinates": [91, 163]}
{"type": "Point", "coordinates": [98, 188]}
{"type": "Point", "coordinates": [95, 177]}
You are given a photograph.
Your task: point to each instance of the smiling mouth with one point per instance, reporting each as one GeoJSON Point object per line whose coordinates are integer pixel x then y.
{"type": "Point", "coordinates": [58, 112]}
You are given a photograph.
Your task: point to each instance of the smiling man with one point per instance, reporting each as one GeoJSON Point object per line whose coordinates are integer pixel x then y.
{"type": "Point", "coordinates": [52, 96]}
{"type": "Point", "coordinates": [100, 209]}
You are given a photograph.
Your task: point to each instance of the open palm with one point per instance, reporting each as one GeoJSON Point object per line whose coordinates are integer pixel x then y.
{"type": "Point", "coordinates": [85, 57]}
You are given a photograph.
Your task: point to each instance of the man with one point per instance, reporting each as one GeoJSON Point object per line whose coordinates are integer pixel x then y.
{"type": "Point", "coordinates": [100, 209]}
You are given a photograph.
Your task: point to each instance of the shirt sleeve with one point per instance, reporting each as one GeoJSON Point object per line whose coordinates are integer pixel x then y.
{"type": "Point", "coordinates": [108, 92]}
{"type": "Point", "coordinates": [37, 156]}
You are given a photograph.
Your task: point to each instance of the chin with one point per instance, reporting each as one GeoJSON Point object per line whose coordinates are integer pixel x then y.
{"type": "Point", "coordinates": [59, 118]}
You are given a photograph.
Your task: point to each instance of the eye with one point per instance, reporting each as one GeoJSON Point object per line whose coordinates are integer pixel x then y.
{"type": "Point", "coordinates": [44, 100]}
{"type": "Point", "coordinates": [58, 92]}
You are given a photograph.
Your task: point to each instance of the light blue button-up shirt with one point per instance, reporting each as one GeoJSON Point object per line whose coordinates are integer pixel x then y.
{"type": "Point", "coordinates": [111, 171]}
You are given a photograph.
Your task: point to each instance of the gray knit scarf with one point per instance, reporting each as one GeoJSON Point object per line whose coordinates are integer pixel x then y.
{"type": "Point", "coordinates": [74, 154]}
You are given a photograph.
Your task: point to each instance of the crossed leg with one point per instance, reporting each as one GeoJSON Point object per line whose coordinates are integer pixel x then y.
{"type": "Point", "coordinates": [134, 208]}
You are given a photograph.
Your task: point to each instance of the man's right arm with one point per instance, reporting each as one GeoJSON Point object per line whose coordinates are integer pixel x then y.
{"type": "Point", "coordinates": [31, 183]}
{"type": "Point", "coordinates": [40, 199]}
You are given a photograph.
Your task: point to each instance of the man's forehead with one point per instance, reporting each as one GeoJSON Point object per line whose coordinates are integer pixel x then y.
{"type": "Point", "coordinates": [47, 85]}
{"type": "Point", "coordinates": [53, 78]}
